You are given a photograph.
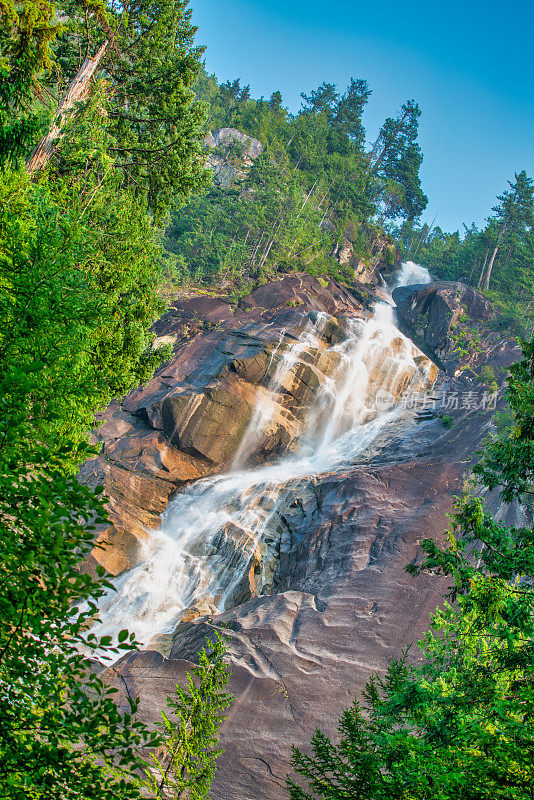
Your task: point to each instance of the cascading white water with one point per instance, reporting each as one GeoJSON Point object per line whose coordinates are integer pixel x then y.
{"type": "Point", "coordinates": [410, 274]}
{"type": "Point", "coordinates": [265, 406]}
{"type": "Point", "coordinates": [192, 559]}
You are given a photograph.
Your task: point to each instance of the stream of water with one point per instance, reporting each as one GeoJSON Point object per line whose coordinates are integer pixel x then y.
{"type": "Point", "coordinates": [188, 560]}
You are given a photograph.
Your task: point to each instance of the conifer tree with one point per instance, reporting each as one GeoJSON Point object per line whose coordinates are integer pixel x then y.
{"type": "Point", "coordinates": [190, 730]}
{"type": "Point", "coordinates": [397, 160]}
{"type": "Point", "coordinates": [78, 293]}
{"type": "Point", "coordinates": [513, 216]}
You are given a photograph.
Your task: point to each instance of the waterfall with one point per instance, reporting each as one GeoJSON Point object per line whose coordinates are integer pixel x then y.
{"type": "Point", "coordinates": [210, 533]}
{"type": "Point", "coordinates": [410, 274]}
{"type": "Point", "coordinates": [264, 410]}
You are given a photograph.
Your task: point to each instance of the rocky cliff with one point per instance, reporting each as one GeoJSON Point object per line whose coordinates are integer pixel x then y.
{"type": "Point", "coordinates": [322, 598]}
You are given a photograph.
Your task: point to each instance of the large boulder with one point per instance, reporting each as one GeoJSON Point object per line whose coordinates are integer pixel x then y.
{"type": "Point", "coordinates": [210, 424]}
{"type": "Point", "coordinates": [433, 309]}
{"type": "Point", "coordinates": [453, 322]}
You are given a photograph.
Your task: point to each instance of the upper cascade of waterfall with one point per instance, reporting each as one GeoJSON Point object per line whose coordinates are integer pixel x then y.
{"type": "Point", "coordinates": [410, 273]}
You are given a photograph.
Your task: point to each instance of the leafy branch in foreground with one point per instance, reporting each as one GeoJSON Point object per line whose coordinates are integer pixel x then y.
{"type": "Point", "coordinates": [460, 723]}
{"type": "Point", "coordinates": [78, 293]}
{"type": "Point", "coordinates": [190, 731]}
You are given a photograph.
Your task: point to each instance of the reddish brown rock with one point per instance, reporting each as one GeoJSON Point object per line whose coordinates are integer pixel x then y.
{"type": "Point", "coordinates": [306, 292]}
{"type": "Point", "coordinates": [341, 604]}
{"type": "Point", "coordinates": [188, 421]}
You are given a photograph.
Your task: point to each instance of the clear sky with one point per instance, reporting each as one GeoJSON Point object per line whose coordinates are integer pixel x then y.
{"type": "Point", "coordinates": [468, 64]}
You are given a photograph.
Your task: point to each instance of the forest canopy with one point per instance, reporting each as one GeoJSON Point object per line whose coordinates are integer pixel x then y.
{"type": "Point", "coordinates": [315, 187]}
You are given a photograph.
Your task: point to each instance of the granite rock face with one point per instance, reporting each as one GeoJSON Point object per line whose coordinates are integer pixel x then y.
{"type": "Point", "coordinates": [338, 603]}
{"type": "Point", "coordinates": [452, 320]}
{"type": "Point", "coordinates": [189, 420]}
{"type": "Point", "coordinates": [232, 153]}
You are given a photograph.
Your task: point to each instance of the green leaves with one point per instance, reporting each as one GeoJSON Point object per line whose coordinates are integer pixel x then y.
{"type": "Point", "coordinates": [78, 293]}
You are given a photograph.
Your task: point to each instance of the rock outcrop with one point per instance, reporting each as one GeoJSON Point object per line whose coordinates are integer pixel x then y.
{"type": "Point", "coordinates": [190, 419]}
{"type": "Point", "coordinates": [232, 154]}
{"type": "Point", "coordinates": [453, 323]}
{"type": "Point", "coordinates": [336, 602]}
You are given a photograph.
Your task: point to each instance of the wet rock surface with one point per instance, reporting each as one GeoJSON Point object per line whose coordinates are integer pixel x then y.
{"type": "Point", "coordinates": [337, 603]}
{"type": "Point", "coordinates": [454, 322]}
{"type": "Point", "coordinates": [188, 421]}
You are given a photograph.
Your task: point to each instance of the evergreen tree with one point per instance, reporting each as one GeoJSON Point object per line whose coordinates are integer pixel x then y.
{"type": "Point", "coordinates": [323, 99]}
{"type": "Point", "coordinates": [397, 160]}
{"type": "Point", "coordinates": [513, 218]}
{"type": "Point", "coordinates": [349, 112]}
{"type": "Point", "coordinates": [321, 190]}
{"type": "Point", "coordinates": [78, 292]}
{"type": "Point", "coordinates": [191, 730]}
{"type": "Point", "coordinates": [502, 251]}
{"type": "Point", "coordinates": [27, 31]}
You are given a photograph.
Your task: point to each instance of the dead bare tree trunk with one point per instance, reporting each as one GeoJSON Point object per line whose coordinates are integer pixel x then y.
{"type": "Point", "coordinates": [492, 259]}
{"type": "Point", "coordinates": [76, 92]}
{"type": "Point", "coordinates": [483, 270]}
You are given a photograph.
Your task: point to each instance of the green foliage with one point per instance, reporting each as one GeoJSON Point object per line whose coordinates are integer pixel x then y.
{"type": "Point", "coordinates": [313, 186]}
{"type": "Point", "coordinates": [27, 31]}
{"type": "Point", "coordinates": [79, 252]}
{"type": "Point", "coordinates": [456, 722]}
{"type": "Point", "coordinates": [151, 121]}
{"type": "Point", "coordinates": [78, 295]}
{"type": "Point", "coordinates": [61, 733]}
{"type": "Point", "coordinates": [398, 159]}
{"type": "Point", "coordinates": [272, 227]}
{"type": "Point", "coordinates": [465, 341]}
{"type": "Point", "coordinates": [507, 460]}
{"type": "Point", "coordinates": [190, 731]}
{"type": "Point", "coordinates": [486, 375]}
{"type": "Point", "coordinates": [447, 421]}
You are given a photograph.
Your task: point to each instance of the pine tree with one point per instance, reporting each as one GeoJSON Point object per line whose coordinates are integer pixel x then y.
{"type": "Point", "coordinates": [191, 730]}
{"type": "Point", "coordinates": [78, 293]}
{"type": "Point", "coordinates": [349, 112]}
{"type": "Point", "coordinates": [513, 216]}
{"type": "Point", "coordinates": [397, 160]}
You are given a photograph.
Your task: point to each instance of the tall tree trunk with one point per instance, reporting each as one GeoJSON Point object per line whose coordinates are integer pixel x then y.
{"type": "Point", "coordinates": [76, 92]}
{"type": "Point", "coordinates": [483, 270]}
{"type": "Point", "coordinates": [501, 234]}
{"type": "Point", "coordinates": [492, 259]}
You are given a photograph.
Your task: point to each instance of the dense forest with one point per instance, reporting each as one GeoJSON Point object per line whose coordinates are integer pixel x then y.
{"type": "Point", "coordinates": [320, 199]}
{"type": "Point", "coordinates": [315, 188]}
{"type": "Point", "coordinates": [106, 206]}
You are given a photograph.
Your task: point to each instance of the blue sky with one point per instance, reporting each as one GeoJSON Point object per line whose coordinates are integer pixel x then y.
{"type": "Point", "coordinates": [468, 64]}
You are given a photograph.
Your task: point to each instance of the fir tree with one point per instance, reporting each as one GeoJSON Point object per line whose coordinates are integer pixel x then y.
{"type": "Point", "coordinates": [190, 730]}
{"type": "Point", "coordinates": [78, 293]}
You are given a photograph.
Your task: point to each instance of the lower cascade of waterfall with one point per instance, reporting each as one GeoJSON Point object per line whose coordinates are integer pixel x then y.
{"type": "Point", "coordinates": [210, 532]}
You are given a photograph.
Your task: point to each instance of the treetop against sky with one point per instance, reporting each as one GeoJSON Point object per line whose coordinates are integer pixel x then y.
{"type": "Point", "coordinates": [468, 65]}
